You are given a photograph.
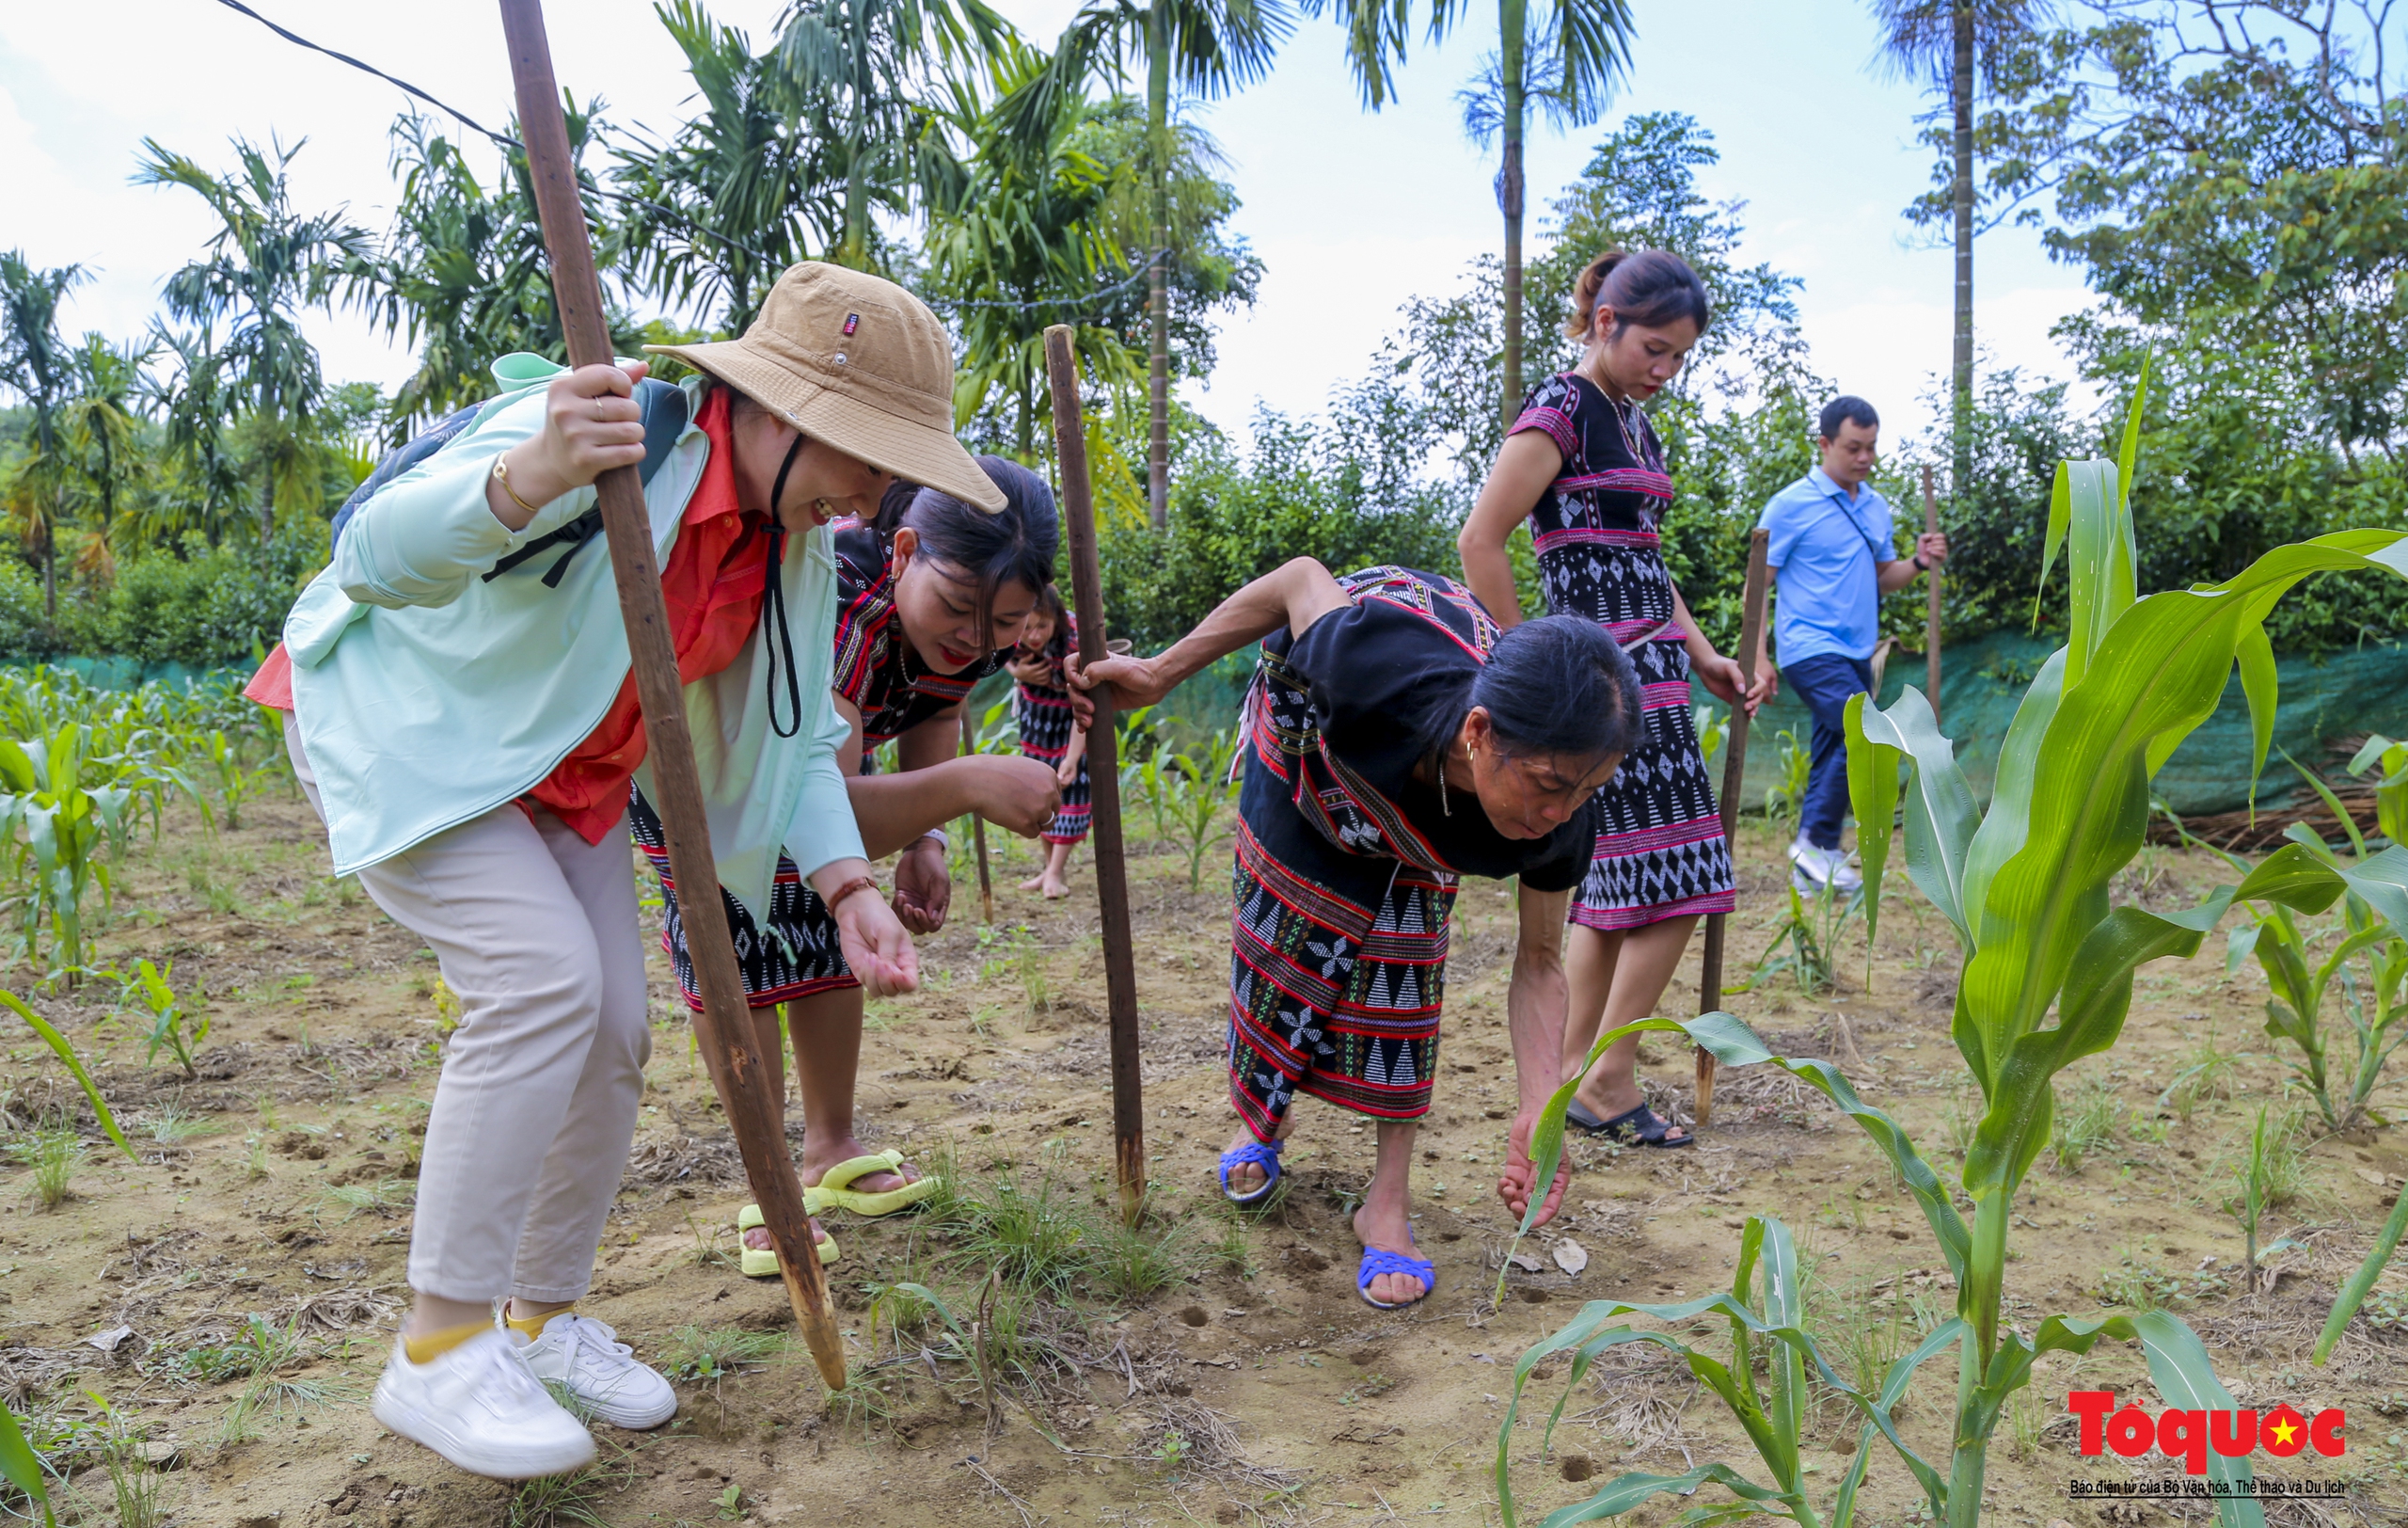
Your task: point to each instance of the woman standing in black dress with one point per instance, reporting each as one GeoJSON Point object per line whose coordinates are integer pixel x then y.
{"type": "Point", "coordinates": [1396, 740]}
{"type": "Point", "coordinates": [1583, 466]}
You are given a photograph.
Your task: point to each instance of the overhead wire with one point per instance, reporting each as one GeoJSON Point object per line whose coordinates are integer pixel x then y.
{"type": "Point", "coordinates": [1088, 303]}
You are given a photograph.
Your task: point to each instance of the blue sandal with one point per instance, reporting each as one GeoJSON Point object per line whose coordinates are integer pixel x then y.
{"type": "Point", "coordinates": [1264, 1154]}
{"type": "Point", "coordinates": [1376, 1263]}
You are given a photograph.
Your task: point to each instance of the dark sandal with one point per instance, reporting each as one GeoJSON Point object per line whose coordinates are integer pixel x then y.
{"type": "Point", "coordinates": [1640, 1126]}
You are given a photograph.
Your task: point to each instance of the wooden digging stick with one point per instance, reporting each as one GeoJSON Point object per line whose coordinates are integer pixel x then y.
{"type": "Point", "coordinates": [1931, 614]}
{"type": "Point", "coordinates": [1734, 764]}
{"type": "Point", "coordinates": [978, 831]}
{"type": "Point", "coordinates": [724, 1030]}
{"type": "Point", "coordinates": [1103, 776]}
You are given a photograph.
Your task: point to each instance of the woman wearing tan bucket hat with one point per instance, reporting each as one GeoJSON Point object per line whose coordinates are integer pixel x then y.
{"type": "Point", "coordinates": [462, 717]}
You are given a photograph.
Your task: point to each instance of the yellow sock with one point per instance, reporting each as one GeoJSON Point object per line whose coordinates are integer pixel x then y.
{"type": "Point", "coordinates": [533, 1325]}
{"type": "Point", "coordinates": [435, 1345]}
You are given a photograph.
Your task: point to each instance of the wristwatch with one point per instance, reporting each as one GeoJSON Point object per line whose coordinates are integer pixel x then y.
{"type": "Point", "coordinates": [1921, 566]}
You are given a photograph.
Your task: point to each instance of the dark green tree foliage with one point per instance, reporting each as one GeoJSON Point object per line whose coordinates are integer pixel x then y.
{"type": "Point", "coordinates": [463, 270]}
{"type": "Point", "coordinates": [2232, 180]}
{"type": "Point", "coordinates": [1334, 490]}
{"type": "Point", "coordinates": [267, 262]}
{"type": "Point", "coordinates": [739, 191]}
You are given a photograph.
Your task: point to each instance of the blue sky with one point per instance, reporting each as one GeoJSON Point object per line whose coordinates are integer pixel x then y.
{"type": "Point", "coordinates": [1352, 212]}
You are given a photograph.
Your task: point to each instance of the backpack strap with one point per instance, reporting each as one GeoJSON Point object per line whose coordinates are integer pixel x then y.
{"type": "Point", "coordinates": [664, 419]}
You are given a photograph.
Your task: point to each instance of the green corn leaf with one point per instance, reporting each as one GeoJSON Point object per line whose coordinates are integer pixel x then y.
{"type": "Point", "coordinates": [1625, 1492]}
{"type": "Point", "coordinates": [2128, 455]}
{"type": "Point", "coordinates": [1893, 1387]}
{"type": "Point", "coordinates": [2262, 685]}
{"type": "Point", "coordinates": [1784, 1305]}
{"type": "Point", "coordinates": [2295, 877]}
{"type": "Point", "coordinates": [2157, 674]}
{"type": "Point", "coordinates": [1873, 793]}
{"type": "Point", "coordinates": [2099, 559]}
{"type": "Point", "coordinates": [1939, 1210]}
{"type": "Point", "coordinates": [22, 1466]}
{"type": "Point", "coordinates": [2380, 882]}
{"type": "Point", "coordinates": [2098, 996]}
{"type": "Point", "coordinates": [2332, 804]}
{"type": "Point", "coordinates": [65, 1050]}
{"type": "Point", "coordinates": [1941, 815]}
{"type": "Point", "coordinates": [2353, 1294]}
{"type": "Point", "coordinates": [2008, 824]}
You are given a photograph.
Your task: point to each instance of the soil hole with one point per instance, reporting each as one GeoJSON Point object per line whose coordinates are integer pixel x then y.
{"type": "Point", "coordinates": [1532, 1297]}
{"type": "Point", "coordinates": [1194, 1315]}
{"type": "Point", "coordinates": [1900, 1236]}
{"type": "Point", "coordinates": [1578, 1467]}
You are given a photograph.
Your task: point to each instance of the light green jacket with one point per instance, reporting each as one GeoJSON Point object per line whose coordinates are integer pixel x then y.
{"type": "Point", "coordinates": [427, 696]}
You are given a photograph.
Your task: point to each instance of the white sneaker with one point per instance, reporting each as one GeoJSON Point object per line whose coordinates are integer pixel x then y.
{"type": "Point", "coordinates": [1816, 868]}
{"type": "Point", "coordinates": [600, 1371]}
{"type": "Point", "coordinates": [479, 1406]}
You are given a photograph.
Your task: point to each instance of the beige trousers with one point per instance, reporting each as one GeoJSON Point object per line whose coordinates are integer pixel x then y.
{"type": "Point", "coordinates": [534, 930]}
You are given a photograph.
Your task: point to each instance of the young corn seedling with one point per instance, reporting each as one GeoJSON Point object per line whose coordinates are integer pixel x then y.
{"type": "Point", "coordinates": [1198, 788]}
{"type": "Point", "coordinates": [171, 1028]}
{"type": "Point", "coordinates": [2025, 888]}
{"type": "Point", "coordinates": [2374, 926]}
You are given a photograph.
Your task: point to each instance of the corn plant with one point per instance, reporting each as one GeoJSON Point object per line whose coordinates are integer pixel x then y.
{"type": "Point", "coordinates": [2025, 887]}
{"type": "Point", "coordinates": [2374, 924]}
{"type": "Point", "coordinates": [1793, 765]}
{"type": "Point", "coordinates": [2391, 791]}
{"type": "Point", "coordinates": [1198, 788]}
{"type": "Point", "coordinates": [171, 1027]}
{"type": "Point", "coordinates": [42, 795]}
{"type": "Point", "coordinates": [64, 1049]}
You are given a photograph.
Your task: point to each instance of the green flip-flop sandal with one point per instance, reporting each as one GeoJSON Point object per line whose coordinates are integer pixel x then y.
{"type": "Point", "coordinates": [834, 1189]}
{"type": "Point", "coordinates": [761, 1262]}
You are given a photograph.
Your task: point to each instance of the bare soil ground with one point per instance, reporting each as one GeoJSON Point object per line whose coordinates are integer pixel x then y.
{"type": "Point", "coordinates": [1216, 1368]}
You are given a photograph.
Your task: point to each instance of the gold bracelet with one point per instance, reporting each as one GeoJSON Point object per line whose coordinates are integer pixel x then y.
{"type": "Point", "coordinates": [502, 475]}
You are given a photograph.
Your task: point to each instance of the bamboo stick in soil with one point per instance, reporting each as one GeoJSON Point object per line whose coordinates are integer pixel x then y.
{"type": "Point", "coordinates": [1104, 774]}
{"type": "Point", "coordinates": [724, 1030]}
{"type": "Point", "coordinates": [1931, 611]}
{"type": "Point", "coordinates": [1735, 763]}
{"type": "Point", "coordinates": [978, 831]}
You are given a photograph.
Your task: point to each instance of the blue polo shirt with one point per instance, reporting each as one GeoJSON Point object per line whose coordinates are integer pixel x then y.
{"type": "Point", "coordinates": [1828, 547]}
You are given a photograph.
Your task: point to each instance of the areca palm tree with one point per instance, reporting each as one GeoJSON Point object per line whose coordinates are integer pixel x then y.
{"type": "Point", "coordinates": [102, 429]}
{"type": "Point", "coordinates": [1029, 244]}
{"type": "Point", "coordinates": [1564, 57]}
{"type": "Point", "coordinates": [192, 399]}
{"type": "Point", "coordinates": [864, 75]}
{"type": "Point", "coordinates": [1947, 44]}
{"type": "Point", "coordinates": [266, 262]}
{"type": "Point", "coordinates": [740, 191]}
{"type": "Point", "coordinates": [37, 365]}
{"type": "Point", "coordinates": [1207, 48]}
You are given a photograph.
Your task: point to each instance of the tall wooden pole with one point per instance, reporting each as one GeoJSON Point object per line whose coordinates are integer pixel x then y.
{"type": "Point", "coordinates": [978, 831]}
{"type": "Point", "coordinates": [1734, 764]}
{"type": "Point", "coordinates": [1931, 612]}
{"type": "Point", "coordinates": [724, 1030]}
{"type": "Point", "coordinates": [1104, 774]}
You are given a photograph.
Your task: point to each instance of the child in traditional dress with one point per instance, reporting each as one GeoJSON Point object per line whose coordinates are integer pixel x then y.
{"type": "Point", "coordinates": [1051, 734]}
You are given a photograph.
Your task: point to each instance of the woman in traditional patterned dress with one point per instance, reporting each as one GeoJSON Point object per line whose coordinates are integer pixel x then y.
{"type": "Point", "coordinates": [1050, 733]}
{"type": "Point", "coordinates": [1396, 741]}
{"type": "Point", "coordinates": [1583, 466]}
{"type": "Point", "coordinates": [931, 597]}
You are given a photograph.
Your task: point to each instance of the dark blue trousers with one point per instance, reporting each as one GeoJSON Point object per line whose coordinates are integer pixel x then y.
{"type": "Point", "coordinates": [1824, 682]}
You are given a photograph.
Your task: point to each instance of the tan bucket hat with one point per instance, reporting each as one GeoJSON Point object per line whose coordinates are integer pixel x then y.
{"type": "Point", "coordinates": [855, 360]}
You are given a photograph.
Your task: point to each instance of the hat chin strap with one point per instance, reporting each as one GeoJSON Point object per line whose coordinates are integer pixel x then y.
{"type": "Point", "coordinates": [777, 487]}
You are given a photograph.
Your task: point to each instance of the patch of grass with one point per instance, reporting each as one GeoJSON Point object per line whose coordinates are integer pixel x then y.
{"type": "Point", "coordinates": [1131, 1264]}
{"type": "Point", "coordinates": [172, 1124]}
{"type": "Point", "coordinates": [1960, 1115]}
{"type": "Point", "coordinates": [2208, 1071]}
{"type": "Point", "coordinates": [255, 1162]}
{"type": "Point", "coordinates": [697, 1354]}
{"type": "Point", "coordinates": [381, 1198]}
{"type": "Point", "coordinates": [1369, 1386]}
{"type": "Point", "coordinates": [2087, 1125]}
{"type": "Point", "coordinates": [261, 1354]}
{"type": "Point", "coordinates": [861, 1403]}
{"type": "Point", "coordinates": [132, 1480]}
{"type": "Point", "coordinates": [54, 1156]}
{"type": "Point", "coordinates": [2137, 1282]}
{"type": "Point", "coordinates": [551, 1500]}
{"type": "Point", "coordinates": [1041, 1236]}
{"type": "Point", "coordinates": [2386, 1310]}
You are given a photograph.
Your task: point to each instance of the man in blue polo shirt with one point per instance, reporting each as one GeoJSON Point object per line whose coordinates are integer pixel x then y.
{"type": "Point", "coordinates": [1833, 559]}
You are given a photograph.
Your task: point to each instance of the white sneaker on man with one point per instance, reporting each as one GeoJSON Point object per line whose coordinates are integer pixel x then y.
{"type": "Point", "coordinates": [479, 1406]}
{"type": "Point", "coordinates": [1815, 868]}
{"type": "Point", "coordinates": [600, 1370]}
